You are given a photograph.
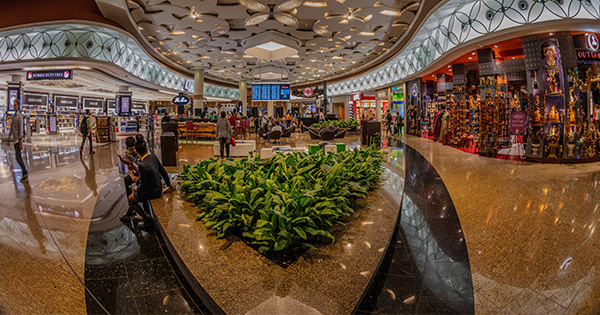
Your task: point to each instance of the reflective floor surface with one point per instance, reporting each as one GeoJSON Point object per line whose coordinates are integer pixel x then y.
{"type": "Point", "coordinates": [528, 230]}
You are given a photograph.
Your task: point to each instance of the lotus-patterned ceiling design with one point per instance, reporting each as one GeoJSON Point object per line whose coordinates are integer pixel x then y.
{"type": "Point", "coordinates": [336, 36]}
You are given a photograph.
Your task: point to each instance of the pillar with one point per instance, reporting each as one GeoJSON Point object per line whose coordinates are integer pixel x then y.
{"type": "Point", "coordinates": [288, 107]}
{"type": "Point", "coordinates": [270, 109]}
{"type": "Point", "coordinates": [378, 107]}
{"type": "Point", "coordinates": [244, 96]}
{"type": "Point", "coordinates": [198, 88]}
{"type": "Point", "coordinates": [347, 112]}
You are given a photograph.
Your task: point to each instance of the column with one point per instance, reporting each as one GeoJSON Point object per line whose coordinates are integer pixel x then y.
{"type": "Point", "coordinates": [288, 107]}
{"type": "Point", "coordinates": [244, 96]}
{"type": "Point", "coordinates": [347, 107]}
{"type": "Point", "coordinates": [378, 106]}
{"type": "Point", "coordinates": [270, 109]}
{"type": "Point", "coordinates": [198, 88]}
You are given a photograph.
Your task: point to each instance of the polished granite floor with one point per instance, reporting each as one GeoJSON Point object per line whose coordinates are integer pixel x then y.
{"type": "Point", "coordinates": [529, 231]}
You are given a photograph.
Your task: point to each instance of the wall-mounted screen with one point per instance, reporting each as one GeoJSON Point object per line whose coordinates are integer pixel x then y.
{"type": "Point", "coordinates": [256, 88]}
{"type": "Point", "coordinates": [270, 92]}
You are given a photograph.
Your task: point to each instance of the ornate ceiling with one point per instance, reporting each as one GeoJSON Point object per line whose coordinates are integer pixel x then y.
{"type": "Point", "coordinates": [336, 36]}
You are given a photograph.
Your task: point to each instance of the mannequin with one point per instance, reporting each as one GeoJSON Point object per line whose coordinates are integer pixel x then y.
{"type": "Point", "coordinates": [444, 127]}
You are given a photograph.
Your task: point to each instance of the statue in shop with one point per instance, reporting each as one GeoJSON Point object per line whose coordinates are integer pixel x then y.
{"type": "Point", "coordinates": [552, 81]}
{"type": "Point", "coordinates": [588, 143]}
{"type": "Point", "coordinates": [553, 115]}
{"type": "Point", "coordinates": [553, 150]}
{"type": "Point", "coordinates": [570, 132]}
{"type": "Point", "coordinates": [444, 127]}
{"type": "Point", "coordinates": [550, 55]}
{"type": "Point", "coordinates": [537, 117]}
{"type": "Point", "coordinates": [572, 115]}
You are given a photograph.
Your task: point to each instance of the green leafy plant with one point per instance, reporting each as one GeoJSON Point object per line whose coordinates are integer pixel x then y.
{"type": "Point", "coordinates": [283, 202]}
{"type": "Point", "coordinates": [337, 123]}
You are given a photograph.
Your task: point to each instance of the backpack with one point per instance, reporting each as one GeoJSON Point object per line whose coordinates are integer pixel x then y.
{"type": "Point", "coordinates": [83, 127]}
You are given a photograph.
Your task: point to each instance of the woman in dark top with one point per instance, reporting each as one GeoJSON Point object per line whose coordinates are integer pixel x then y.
{"type": "Point", "coordinates": [224, 133]}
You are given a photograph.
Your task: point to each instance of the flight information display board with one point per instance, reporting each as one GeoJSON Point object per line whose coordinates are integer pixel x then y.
{"type": "Point", "coordinates": [270, 92]}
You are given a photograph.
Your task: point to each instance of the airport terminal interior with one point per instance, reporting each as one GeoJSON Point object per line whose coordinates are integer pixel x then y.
{"type": "Point", "coordinates": [299, 156]}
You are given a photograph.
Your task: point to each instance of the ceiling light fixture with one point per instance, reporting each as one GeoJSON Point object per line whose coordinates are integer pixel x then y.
{"type": "Point", "coordinates": [390, 12]}
{"type": "Point", "coordinates": [271, 46]}
{"type": "Point", "coordinates": [315, 4]}
{"type": "Point", "coordinates": [366, 33]}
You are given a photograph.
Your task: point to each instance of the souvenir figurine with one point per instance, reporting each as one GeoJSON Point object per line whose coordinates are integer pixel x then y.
{"type": "Point", "coordinates": [553, 115]}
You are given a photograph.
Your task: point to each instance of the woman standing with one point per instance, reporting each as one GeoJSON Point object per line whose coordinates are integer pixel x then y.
{"type": "Point", "coordinates": [224, 134]}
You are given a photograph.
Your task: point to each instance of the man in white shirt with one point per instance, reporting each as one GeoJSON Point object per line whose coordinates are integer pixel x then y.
{"type": "Point", "coordinates": [16, 133]}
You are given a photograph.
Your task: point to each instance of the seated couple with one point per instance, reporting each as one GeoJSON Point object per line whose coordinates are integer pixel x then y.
{"type": "Point", "coordinates": [276, 131]}
{"type": "Point", "coordinates": [144, 180]}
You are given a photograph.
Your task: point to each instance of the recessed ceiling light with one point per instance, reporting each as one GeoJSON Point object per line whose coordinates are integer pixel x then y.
{"type": "Point", "coordinates": [470, 58]}
{"type": "Point", "coordinates": [368, 17]}
{"type": "Point", "coordinates": [366, 34]}
{"type": "Point", "coordinates": [315, 4]}
{"type": "Point", "coordinates": [140, 28]}
{"type": "Point", "coordinates": [473, 53]}
{"type": "Point", "coordinates": [336, 57]}
{"type": "Point", "coordinates": [495, 46]}
{"type": "Point", "coordinates": [344, 21]}
{"type": "Point", "coordinates": [390, 12]}
{"type": "Point", "coordinates": [177, 32]}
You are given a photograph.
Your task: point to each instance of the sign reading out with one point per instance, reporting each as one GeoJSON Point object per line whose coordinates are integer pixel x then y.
{"type": "Point", "coordinates": [50, 75]}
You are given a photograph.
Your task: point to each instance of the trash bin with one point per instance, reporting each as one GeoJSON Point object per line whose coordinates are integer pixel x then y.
{"type": "Point", "coordinates": [168, 148]}
{"type": "Point", "coordinates": [313, 148]}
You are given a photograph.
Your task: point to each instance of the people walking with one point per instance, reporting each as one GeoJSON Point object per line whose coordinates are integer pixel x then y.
{"type": "Point", "coordinates": [86, 132]}
{"type": "Point", "coordinates": [17, 134]}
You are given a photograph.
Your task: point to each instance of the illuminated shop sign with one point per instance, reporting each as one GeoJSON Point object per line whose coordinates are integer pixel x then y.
{"type": "Point", "coordinates": [50, 75]}
{"type": "Point", "coordinates": [92, 102]}
{"type": "Point", "coordinates": [66, 101]}
{"type": "Point", "coordinates": [592, 42]}
{"type": "Point", "coordinates": [357, 96]}
{"type": "Point", "coordinates": [35, 99]}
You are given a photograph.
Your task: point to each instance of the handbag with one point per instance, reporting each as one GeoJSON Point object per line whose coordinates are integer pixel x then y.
{"type": "Point", "coordinates": [232, 139]}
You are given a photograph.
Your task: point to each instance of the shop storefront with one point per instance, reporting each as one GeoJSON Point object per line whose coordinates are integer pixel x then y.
{"type": "Point", "coordinates": [534, 98]}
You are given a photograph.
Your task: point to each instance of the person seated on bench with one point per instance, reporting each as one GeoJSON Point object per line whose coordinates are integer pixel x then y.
{"type": "Point", "coordinates": [132, 159]}
{"type": "Point", "coordinates": [275, 127]}
{"type": "Point", "coordinates": [149, 187]}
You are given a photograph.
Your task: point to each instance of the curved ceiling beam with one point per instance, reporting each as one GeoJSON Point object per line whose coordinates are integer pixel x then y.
{"type": "Point", "coordinates": [95, 43]}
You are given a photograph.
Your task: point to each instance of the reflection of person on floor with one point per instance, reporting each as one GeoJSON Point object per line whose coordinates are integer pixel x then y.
{"type": "Point", "coordinates": [17, 134]}
{"type": "Point", "coordinates": [90, 175]}
{"type": "Point", "coordinates": [149, 187]}
{"type": "Point", "coordinates": [32, 220]}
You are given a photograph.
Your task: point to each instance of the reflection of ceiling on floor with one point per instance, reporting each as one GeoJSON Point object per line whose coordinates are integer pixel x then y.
{"type": "Point", "coordinates": [336, 36]}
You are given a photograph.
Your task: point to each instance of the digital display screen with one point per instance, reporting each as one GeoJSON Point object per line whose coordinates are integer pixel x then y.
{"type": "Point", "coordinates": [267, 92]}
{"type": "Point", "coordinates": [275, 88]}
{"type": "Point", "coordinates": [285, 92]}
{"type": "Point", "coordinates": [13, 94]}
{"type": "Point", "coordinates": [125, 104]}
{"type": "Point", "coordinates": [256, 88]}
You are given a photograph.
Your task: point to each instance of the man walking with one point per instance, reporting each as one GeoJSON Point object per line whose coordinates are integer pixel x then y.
{"type": "Point", "coordinates": [16, 133]}
{"type": "Point", "coordinates": [86, 132]}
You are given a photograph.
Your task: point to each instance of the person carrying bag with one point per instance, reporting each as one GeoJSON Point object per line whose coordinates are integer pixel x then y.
{"type": "Point", "coordinates": [224, 134]}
